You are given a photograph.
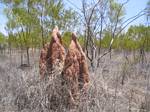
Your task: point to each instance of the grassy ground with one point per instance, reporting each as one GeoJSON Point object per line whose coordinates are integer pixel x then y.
{"type": "Point", "coordinates": [120, 84]}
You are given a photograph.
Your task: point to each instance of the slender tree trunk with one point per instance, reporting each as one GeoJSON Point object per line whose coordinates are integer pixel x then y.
{"type": "Point", "coordinates": [28, 58]}
{"type": "Point", "coordinates": [1, 49]}
{"type": "Point", "coordinates": [42, 32]}
{"type": "Point", "coordinates": [10, 52]}
{"type": "Point", "coordinates": [85, 36]}
{"type": "Point", "coordinates": [21, 54]}
{"type": "Point", "coordinates": [42, 36]}
{"type": "Point", "coordinates": [100, 35]}
{"type": "Point", "coordinates": [110, 51]}
{"type": "Point", "coordinates": [99, 48]}
{"type": "Point", "coordinates": [99, 51]}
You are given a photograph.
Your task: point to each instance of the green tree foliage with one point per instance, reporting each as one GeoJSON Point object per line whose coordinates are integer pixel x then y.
{"type": "Point", "coordinates": [135, 38]}
{"type": "Point", "coordinates": [106, 40]}
{"type": "Point", "coordinates": [148, 10]}
{"type": "Point", "coordinates": [30, 21]}
{"type": "Point", "coordinates": [35, 18]}
{"type": "Point", "coordinates": [140, 36]}
{"type": "Point", "coordinates": [116, 14]}
{"type": "Point", "coordinates": [2, 38]}
{"type": "Point", "coordinates": [66, 39]}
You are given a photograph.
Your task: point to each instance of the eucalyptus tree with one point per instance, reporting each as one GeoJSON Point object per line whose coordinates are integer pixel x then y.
{"type": "Point", "coordinates": [10, 26]}
{"type": "Point", "coordinates": [51, 13]}
{"type": "Point", "coordinates": [2, 38]}
{"type": "Point", "coordinates": [148, 11]}
{"type": "Point", "coordinates": [22, 14]}
{"type": "Point", "coordinates": [2, 42]}
{"type": "Point", "coordinates": [148, 23]}
{"type": "Point", "coordinates": [116, 14]}
{"type": "Point", "coordinates": [140, 40]}
{"type": "Point", "coordinates": [34, 19]}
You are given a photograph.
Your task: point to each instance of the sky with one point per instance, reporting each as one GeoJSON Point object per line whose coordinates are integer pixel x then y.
{"type": "Point", "coordinates": [3, 19]}
{"type": "Point", "coordinates": [132, 8]}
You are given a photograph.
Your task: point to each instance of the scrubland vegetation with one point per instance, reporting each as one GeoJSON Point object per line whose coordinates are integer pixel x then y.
{"type": "Point", "coordinates": [118, 58]}
{"type": "Point", "coordinates": [120, 84]}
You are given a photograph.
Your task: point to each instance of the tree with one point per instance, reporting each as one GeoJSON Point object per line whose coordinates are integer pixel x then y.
{"type": "Point", "coordinates": [31, 20]}
{"type": "Point", "coordinates": [2, 38]}
{"type": "Point", "coordinates": [148, 11]}
{"type": "Point", "coordinates": [2, 42]}
{"type": "Point", "coordinates": [98, 17]}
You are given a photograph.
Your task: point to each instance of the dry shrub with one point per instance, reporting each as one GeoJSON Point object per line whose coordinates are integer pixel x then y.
{"type": "Point", "coordinates": [23, 91]}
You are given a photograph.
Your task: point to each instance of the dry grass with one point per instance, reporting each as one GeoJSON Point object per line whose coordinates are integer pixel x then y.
{"type": "Point", "coordinates": [118, 85]}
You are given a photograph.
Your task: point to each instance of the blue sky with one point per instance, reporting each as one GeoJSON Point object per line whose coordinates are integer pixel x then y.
{"type": "Point", "coordinates": [132, 8]}
{"type": "Point", "coordinates": [3, 20]}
